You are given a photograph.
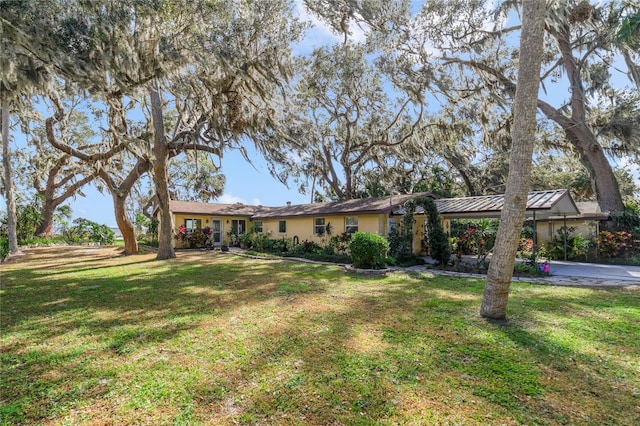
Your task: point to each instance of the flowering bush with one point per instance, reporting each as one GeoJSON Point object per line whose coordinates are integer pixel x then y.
{"type": "Point", "coordinates": [614, 244]}
{"type": "Point", "coordinates": [182, 234]}
{"type": "Point", "coordinates": [197, 238]}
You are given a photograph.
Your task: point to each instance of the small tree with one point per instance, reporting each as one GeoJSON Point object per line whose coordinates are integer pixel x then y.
{"type": "Point", "coordinates": [368, 251]}
{"type": "Point", "coordinates": [436, 237]}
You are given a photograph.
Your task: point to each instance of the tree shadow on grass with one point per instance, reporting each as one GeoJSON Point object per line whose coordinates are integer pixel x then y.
{"type": "Point", "coordinates": [375, 357]}
{"type": "Point", "coordinates": [117, 312]}
{"type": "Point", "coordinates": [277, 341]}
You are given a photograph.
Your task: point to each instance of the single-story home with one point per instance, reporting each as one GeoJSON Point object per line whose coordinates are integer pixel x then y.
{"type": "Point", "coordinates": [312, 222]}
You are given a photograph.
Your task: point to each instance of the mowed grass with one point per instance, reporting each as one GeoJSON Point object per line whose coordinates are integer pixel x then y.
{"type": "Point", "coordinates": [91, 337]}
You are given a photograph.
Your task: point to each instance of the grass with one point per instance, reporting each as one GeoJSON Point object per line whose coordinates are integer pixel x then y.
{"type": "Point", "coordinates": [91, 337]}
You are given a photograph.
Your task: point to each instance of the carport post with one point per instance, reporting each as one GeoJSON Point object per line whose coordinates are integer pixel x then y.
{"type": "Point", "coordinates": [565, 236]}
{"type": "Point", "coordinates": [535, 235]}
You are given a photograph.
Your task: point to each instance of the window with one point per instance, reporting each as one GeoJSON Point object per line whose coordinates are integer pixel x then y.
{"type": "Point", "coordinates": [282, 226]}
{"type": "Point", "coordinates": [239, 226]}
{"type": "Point", "coordinates": [351, 224]}
{"type": "Point", "coordinates": [257, 226]}
{"type": "Point", "coordinates": [318, 226]}
{"type": "Point", "coordinates": [192, 224]}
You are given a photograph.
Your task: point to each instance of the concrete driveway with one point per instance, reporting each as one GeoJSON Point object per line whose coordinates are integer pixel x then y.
{"type": "Point", "coordinates": [606, 274]}
{"type": "Point", "coordinates": [572, 273]}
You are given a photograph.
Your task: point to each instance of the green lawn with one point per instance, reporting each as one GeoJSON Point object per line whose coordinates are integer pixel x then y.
{"type": "Point", "coordinates": [90, 337]}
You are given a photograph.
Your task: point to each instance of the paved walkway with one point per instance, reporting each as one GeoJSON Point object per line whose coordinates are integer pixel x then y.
{"type": "Point", "coordinates": [560, 273]}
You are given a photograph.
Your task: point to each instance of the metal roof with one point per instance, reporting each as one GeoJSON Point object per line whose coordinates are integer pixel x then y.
{"type": "Point", "coordinates": [557, 203]}
{"type": "Point", "coordinates": [543, 203]}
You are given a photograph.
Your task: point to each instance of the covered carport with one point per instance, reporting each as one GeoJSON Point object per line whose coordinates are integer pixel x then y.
{"type": "Point", "coordinates": [540, 205]}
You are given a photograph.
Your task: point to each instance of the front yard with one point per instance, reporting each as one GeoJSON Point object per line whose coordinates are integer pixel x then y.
{"type": "Point", "coordinates": [90, 337]}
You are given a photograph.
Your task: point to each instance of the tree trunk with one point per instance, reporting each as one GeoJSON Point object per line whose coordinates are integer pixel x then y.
{"type": "Point", "coordinates": [160, 177]}
{"type": "Point", "coordinates": [496, 292]}
{"type": "Point", "coordinates": [51, 202]}
{"type": "Point", "coordinates": [12, 221]}
{"type": "Point", "coordinates": [124, 224]}
{"type": "Point", "coordinates": [603, 180]}
{"type": "Point", "coordinates": [592, 156]}
{"type": "Point", "coordinates": [46, 218]}
{"type": "Point", "coordinates": [120, 193]}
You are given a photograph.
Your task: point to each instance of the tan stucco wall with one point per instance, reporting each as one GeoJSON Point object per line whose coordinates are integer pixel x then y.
{"type": "Point", "coordinates": [225, 222]}
{"type": "Point", "coordinates": [303, 227]}
{"type": "Point", "coordinates": [547, 230]}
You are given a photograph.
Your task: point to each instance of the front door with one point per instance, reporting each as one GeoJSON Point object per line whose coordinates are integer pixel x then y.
{"type": "Point", "coordinates": [216, 232]}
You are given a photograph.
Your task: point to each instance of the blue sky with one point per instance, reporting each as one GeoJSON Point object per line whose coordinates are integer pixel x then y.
{"type": "Point", "coordinates": [246, 183]}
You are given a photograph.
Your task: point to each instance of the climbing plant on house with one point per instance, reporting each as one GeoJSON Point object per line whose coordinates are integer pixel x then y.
{"type": "Point", "coordinates": [436, 238]}
{"type": "Point", "coordinates": [401, 238]}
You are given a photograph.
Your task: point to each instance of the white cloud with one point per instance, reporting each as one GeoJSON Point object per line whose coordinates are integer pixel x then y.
{"type": "Point", "coordinates": [230, 199]}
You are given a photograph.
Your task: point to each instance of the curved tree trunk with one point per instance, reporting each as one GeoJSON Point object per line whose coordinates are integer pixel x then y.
{"type": "Point", "coordinates": [124, 224]}
{"type": "Point", "coordinates": [592, 156]}
{"type": "Point", "coordinates": [603, 180]}
{"type": "Point", "coordinates": [496, 291]}
{"type": "Point", "coordinates": [160, 159]}
{"type": "Point", "coordinates": [51, 202]}
{"type": "Point", "coordinates": [46, 218]}
{"type": "Point", "coordinates": [120, 193]}
{"type": "Point", "coordinates": [12, 221]}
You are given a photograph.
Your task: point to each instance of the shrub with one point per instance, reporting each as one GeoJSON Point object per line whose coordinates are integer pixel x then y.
{"type": "Point", "coordinates": [260, 241]}
{"type": "Point", "coordinates": [182, 234]}
{"type": "Point", "coordinates": [340, 243]}
{"type": "Point", "coordinates": [28, 219]}
{"type": "Point", "coordinates": [614, 244]}
{"type": "Point", "coordinates": [401, 238]}
{"type": "Point", "coordinates": [245, 240]}
{"type": "Point", "coordinates": [304, 248]}
{"type": "Point", "coordinates": [4, 247]}
{"type": "Point", "coordinates": [368, 251]}
{"type": "Point", "coordinates": [86, 230]}
{"type": "Point", "coordinates": [280, 245]}
{"type": "Point", "coordinates": [437, 239]}
{"type": "Point", "coordinates": [577, 246]}
{"type": "Point", "coordinates": [197, 238]}
{"type": "Point", "coordinates": [629, 220]}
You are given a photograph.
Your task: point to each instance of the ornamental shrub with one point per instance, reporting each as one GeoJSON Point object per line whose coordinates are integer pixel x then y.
{"type": "Point", "coordinates": [4, 247]}
{"type": "Point", "coordinates": [614, 244]}
{"type": "Point", "coordinates": [198, 238]}
{"type": "Point", "coordinates": [368, 251]}
{"type": "Point", "coordinates": [577, 246]}
{"type": "Point", "coordinates": [260, 240]}
{"type": "Point", "coordinates": [437, 239]}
